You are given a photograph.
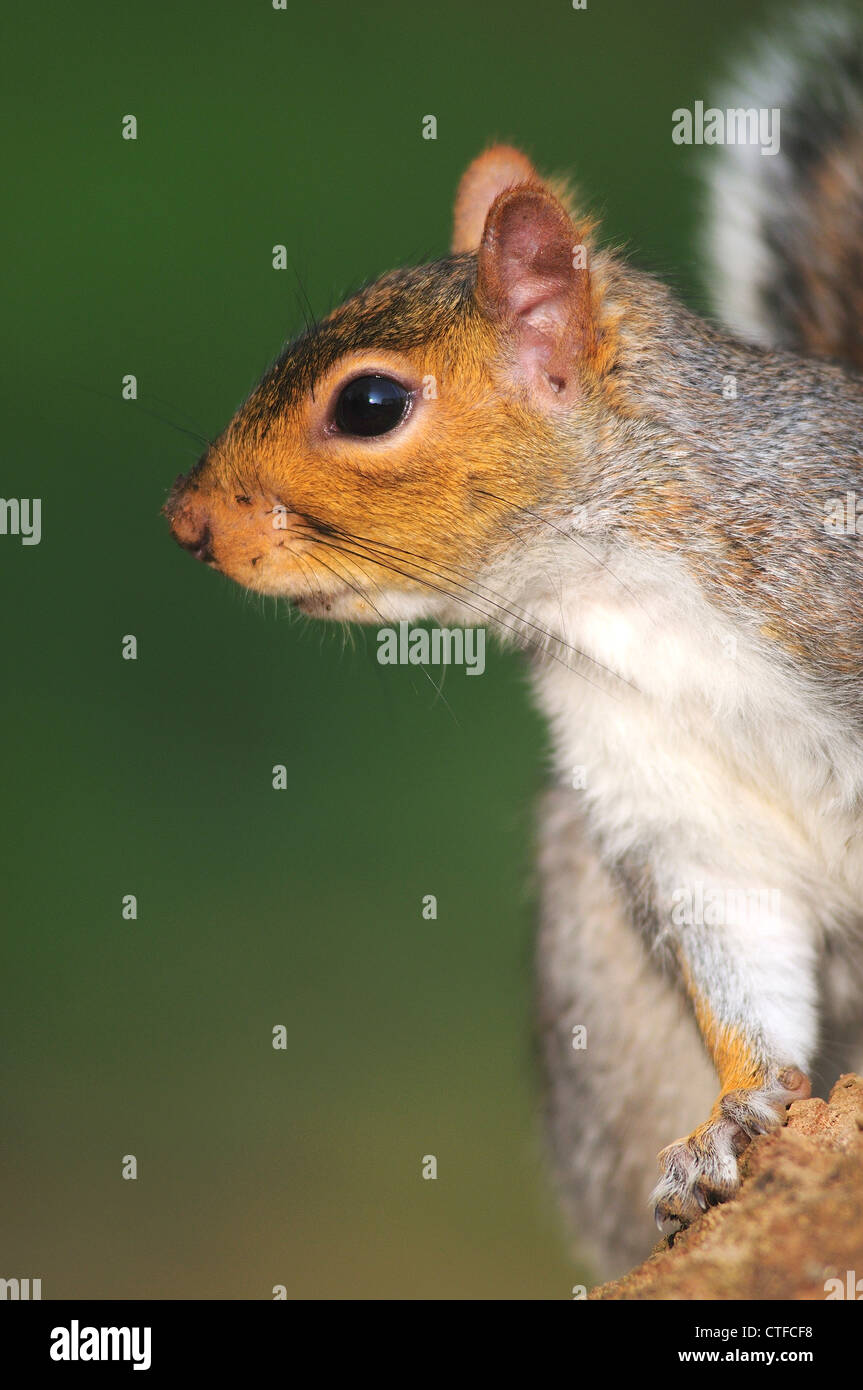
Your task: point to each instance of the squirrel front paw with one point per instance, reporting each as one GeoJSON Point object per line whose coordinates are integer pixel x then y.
{"type": "Point", "coordinates": [701, 1170]}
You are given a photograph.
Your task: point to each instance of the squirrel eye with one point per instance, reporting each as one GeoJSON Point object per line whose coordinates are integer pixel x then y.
{"type": "Point", "coordinates": [371, 405]}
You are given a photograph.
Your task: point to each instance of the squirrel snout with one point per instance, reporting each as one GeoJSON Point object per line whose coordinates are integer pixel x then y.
{"type": "Point", "coordinates": [190, 526]}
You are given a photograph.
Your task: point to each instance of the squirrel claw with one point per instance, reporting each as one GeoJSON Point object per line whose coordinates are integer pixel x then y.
{"type": "Point", "coordinates": [700, 1171]}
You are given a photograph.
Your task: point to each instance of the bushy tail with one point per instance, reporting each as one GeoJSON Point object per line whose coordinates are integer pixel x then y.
{"type": "Point", "coordinates": [785, 230]}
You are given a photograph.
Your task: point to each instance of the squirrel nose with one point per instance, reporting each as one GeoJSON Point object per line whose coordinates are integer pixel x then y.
{"type": "Point", "coordinates": [190, 526]}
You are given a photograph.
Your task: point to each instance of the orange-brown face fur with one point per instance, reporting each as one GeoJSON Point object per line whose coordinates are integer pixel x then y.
{"type": "Point", "coordinates": [382, 527]}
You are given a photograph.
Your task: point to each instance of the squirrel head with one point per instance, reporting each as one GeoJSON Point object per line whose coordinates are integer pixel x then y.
{"type": "Point", "coordinates": [384, 461]}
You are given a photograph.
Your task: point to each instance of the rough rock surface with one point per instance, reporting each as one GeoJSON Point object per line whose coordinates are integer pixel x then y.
{"type": "Point", "coordinates": [796, 1222]}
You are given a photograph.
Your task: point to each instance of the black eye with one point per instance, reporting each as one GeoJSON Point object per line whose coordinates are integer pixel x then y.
{"type": "Point", "coordinates": [371, 405]}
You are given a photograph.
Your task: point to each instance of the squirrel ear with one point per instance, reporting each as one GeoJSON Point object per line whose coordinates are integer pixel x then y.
{"type": "Point", "coordinates": [488, 175]}
{"type": "Point", "coordinates": [532, 279]}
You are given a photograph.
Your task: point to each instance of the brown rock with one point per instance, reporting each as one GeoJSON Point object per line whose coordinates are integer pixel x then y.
{"type": "Point", "coordinates": [796, 1222]}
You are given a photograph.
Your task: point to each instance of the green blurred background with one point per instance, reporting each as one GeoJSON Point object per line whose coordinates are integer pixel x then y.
{"type": "Point", "coordinates": [153, 1038]}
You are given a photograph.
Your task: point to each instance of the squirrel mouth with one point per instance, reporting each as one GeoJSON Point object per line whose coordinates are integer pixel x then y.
{"type": "Point", "coordinates": [316, 605]}
{"type": "Point", "coordinates": [343, 603]}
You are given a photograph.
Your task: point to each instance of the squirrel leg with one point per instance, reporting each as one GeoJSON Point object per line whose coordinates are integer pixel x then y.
{"type": "Point", "coordinates": [751, 982]}
{"type": "Point", "coordinates": [638, 1077]}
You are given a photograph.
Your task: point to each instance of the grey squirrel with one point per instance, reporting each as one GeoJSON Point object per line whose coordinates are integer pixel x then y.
{"type": "Point", "coordinates": [682, 563]}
